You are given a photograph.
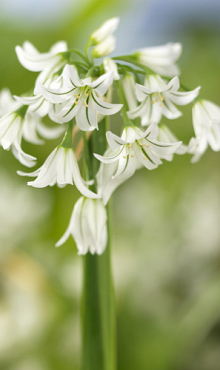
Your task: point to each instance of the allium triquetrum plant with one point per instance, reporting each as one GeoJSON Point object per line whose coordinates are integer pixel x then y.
{"type": "Point", "coordinates": [75, 90]}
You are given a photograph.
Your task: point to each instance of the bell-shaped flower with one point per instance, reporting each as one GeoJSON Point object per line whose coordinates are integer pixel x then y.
{"type": "Point", "coordinates": [135, 149]}
{"type": "Point", "coordinates": [79, 98]}
{"type": "Point", "coordinates": [166, 136]}
{"type": "Point", "coordinates": [160, 59]}
{"type": "Point", "coordinates": [49, 62]}
{"type": "Point", "coordinates": [104, 31]}
{"type": "Point", "coordinates": [109, 65]}
{"type": "Point", "coordinates": [128, 85]}
{"type": "Point", "coordinates": [11, 130]}
{"type": "Point", "coordinates": [158, 99]}
{"type": "Point", "coordinates": [206, 123]}
{"type": "Point", "coordinates": [107, 183]}
{"type": "Point", "coordinates": [88, 226]}
{"type": "Point", "coordinates": [7, 103]}
{"type": "Point", "coordinates": [60, 168]}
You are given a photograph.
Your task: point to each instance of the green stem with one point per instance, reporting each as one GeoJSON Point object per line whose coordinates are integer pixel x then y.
{"type": "Point", "coordinates": [98, 308]}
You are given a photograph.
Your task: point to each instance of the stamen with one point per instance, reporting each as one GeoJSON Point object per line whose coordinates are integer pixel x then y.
{"type": "Point", "coordinates": [87, 95]}
{"type": "Point", "coordinates": [148, 146]}
{"type": "Point", "coordinates": [153, 102]}
{"type": "Point", "coordinates": [124, 156]}
{"type": "Point", "coordinates": [154, 95]}
{"type": "Point", "coordinates": [144, 158]}
{"type": "Point", "coordinates": [161, 104]}
{"type": "Point", "coordinates": [132, 155]}
{"type": "Point", "coordinates": [161, 97]}
{"type": "Point", "coordinates": [75, 95]}
{"type": "Point", "coordinates": [129, 145]}
{"type": "Point", "coordinates": [76, 102]}
{"type": "Point", "coordinates": [143, 144]}
{"type": "Point", "coordinates": [78, 96]}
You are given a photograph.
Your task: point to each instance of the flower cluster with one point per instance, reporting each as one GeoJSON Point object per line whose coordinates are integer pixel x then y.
{"type": "Point", "coordinates": [76, 94]}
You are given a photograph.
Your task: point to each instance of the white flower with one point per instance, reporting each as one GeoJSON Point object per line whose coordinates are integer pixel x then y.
{"type": "Point", "coordinates": [104, 48]}
{"type": "Point", "coordinates": [87, 226]}
{"type": "Point", "coordinates": [158, 98]}
{"type": "Point", "coordinates": [37, 104]}
{"type": "Point", "coordinates": [206, 123]}
{"type": "Point", "coordinates": [7, 103]}
{"type": "Point", "coordinates": [107, 183]}
{"type": "Point", "coordinates": [79, 98]}
{"type": "Point", "coordinates": [49, 62]}
{"type": "Point", "coordinates": [166, 136]}
{"type": "Point", "coordinates": [11, 130]}
{"type": "Point", "coordinates": [128, 85]}
{"type": "Point", "coordinates": [109, 65]}
{"type": "Point", "coordinates": [136, 149]}
{"type": "Point", "coordinates": [103, 32]}
{"type": "Point", "coordinates": [60, 168]}
{"type": "Point", "coordinates": [161, 59]}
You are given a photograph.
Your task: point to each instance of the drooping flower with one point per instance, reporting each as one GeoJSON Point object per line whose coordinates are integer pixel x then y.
{"type": "Point", "coordinates": [79, 98]}
{"type": "Point", "coordinates": [206, 123]}
{"type": "Point", "coordinates": [159, 98]}
{"type": "Point", "coordinates": [160, 59]}
{"type": "Point", "coordinates": [60, 168]}
{"type": "Point", "coordinates": [87, 226]}
{"type": "Point", "coordinates": [107, 183]}
{"type": "Point", "coordinates": [135, 149]}
{"type": "Point", "coordinates": [166, 136]}
{"type": "Point", "coordinates": [104, 31]}
{"type": "Point", "coordinates": [11, 130]}
{"type": "Point", "coordinates": [49, 62]}
{"type": "Point", "coordinates": [109, 65]}
{"type": "Point", "coordinates": [128, 85]}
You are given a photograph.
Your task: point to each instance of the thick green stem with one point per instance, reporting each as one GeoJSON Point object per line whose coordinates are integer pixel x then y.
{"type": "Point", "coordinates": [98, 305]}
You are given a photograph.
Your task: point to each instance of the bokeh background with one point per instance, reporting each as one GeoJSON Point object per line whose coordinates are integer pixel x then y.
{"type": "Point", "coordinates": [165, 223]}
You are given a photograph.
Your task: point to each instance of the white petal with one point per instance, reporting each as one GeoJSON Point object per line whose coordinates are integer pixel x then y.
{"type": "Point", "coordinates": [183, 98]}
{"type": "Point", "coordinates": [102, 84]}
{"type": "Point", "coordinates": [104, 107]}
{"type": "Point", "coordinates": [110, 66]}
{"type": "Point", "coordinates": [128, 84]}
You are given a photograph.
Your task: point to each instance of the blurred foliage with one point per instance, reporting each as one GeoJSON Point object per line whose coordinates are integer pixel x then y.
{"type": "Point", "coordinates": [166, 238]}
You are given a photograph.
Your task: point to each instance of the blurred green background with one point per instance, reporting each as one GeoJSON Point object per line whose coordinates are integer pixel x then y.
{"type": "Point", "coordinates": [165, 223]}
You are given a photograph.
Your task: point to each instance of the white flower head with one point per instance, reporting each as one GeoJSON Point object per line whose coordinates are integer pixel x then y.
{"type": "Point", "coordinates": [37, 104]}
{"type": "Point", "coordinates": [46, 63]}
{"type": "Point", "coordinates": [206, 123]}
{"type": "Point", "coordinates": [107, 183]}
{"type": "Point", "coordinates": [11, 131]}
{"type": "Point", "coordinates": [104, 31]}
{"type": "Point", "coordinates": [158, 99]}
{"type": "Point", "coordinates": [166, 136]}
{"type": "Point", "coordinates": [109, 65]}
{"type": "Point", "coordinates": [135, 149]}
{"type": "Point", "coordinates": [79, 98]}
{"type": "Point", "coordinates": [87, 226]}
{"type": "Point", "coordinates": [128, 85]}
{"type": "Point", "coordinates": [161, 59]}
{"type": "Point", "coordinates": [60, 168]}
{"type": "Point", "coordinates": [7, 103]}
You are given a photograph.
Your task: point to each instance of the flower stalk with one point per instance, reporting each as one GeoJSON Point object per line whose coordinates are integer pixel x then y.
{"type": "Point", "coordinates": [98, 304]}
